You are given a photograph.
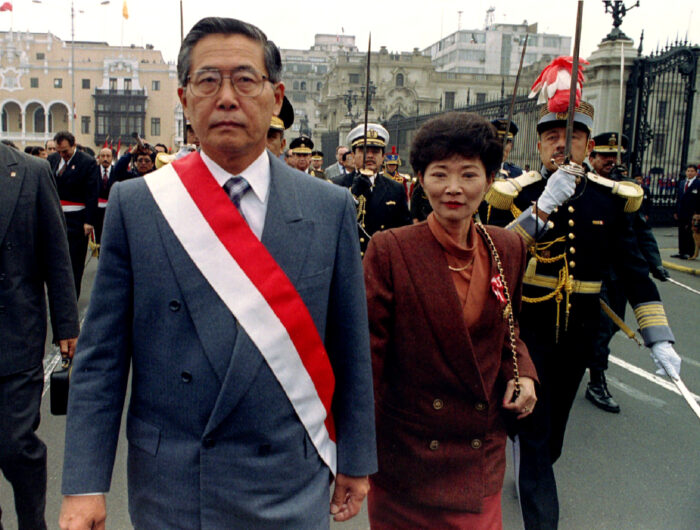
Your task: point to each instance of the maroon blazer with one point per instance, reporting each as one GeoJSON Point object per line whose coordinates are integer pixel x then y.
{"type": "Point", "coordinates": [438, 386]}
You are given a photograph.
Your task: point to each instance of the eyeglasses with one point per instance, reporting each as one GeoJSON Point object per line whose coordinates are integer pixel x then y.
{"type": "Point", "coordinates": [206, 83]}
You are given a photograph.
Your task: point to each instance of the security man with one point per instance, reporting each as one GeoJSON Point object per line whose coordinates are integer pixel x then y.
{"type": "Point", "coordinates": [316, 168]}
{"type": "Point", "coordinates": [576, 226]}
{"type": "Point", "coordinates": [301, 148]}
{"type": "Point", "coordinates": [392, 161]}
{"type": "Point", "coordinates": [381, 201]}
{"type": "Point", "coordinates": [603, 159]}
{"type": "Point", "coordinates": [278, 124]}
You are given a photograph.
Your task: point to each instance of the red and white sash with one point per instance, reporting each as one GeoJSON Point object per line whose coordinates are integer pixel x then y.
{"type": "Point", "coordinates": [101, 203]}
{"type": "Point", "coordinates": [69, 206]}
{"type": "Point", "coordinates": [254, 288]}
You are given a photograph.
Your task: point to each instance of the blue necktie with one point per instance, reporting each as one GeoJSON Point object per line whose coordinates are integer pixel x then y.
{"type": "Point", "coordinates": [236, 187]}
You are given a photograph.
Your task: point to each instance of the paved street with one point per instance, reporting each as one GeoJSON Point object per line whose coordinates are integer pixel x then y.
{"type": "Point", "coordinates": [639, 469]}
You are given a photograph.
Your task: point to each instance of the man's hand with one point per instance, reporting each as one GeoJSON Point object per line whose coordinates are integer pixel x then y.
{"type": "Point", "coordinates": [524, 405]}
{"type": "Point", "coordinates": [660, 273]}
{"type": "Point", "coordinates": [561, 185]}
{"type": "Point", "coordinates": [67, 347]}
{"type": "Point", "coordinates": [666, 359]}
{"type": "Point", "coordinates": [83, 512]}
{"type": "Point", "coordinates": [347, 497]}
{"type": "Point", "coordinates": [87, 229]}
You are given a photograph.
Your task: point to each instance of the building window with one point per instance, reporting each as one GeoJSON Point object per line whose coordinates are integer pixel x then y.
{"type": "Point", "coordinates": [550, 42]}
{"type": "Point", "coordinates": [155, 85]}
{"type": "Point", "coordinates": [40, 56]}
{"type": "Point", "coordinates": [58, 82]}
{"type": "Point", "coordinates": [4, 120]}
{"type": "Point", "coordinates": [480, 98]}
{"type": "Point", "coordinates": [101, 125]}
{"type": "Point", "coordinates": [449, 100]}
{"type": "Point", "coordinates": [296, 85]}
{"type": "Point", "coordinates": [34, 82]}
{"type": "Point", "coordinates": [318, 86]}
{"type": "Point", "coordinates": [662, 110]}
{"type": "Point", "coordinates": [155, 126]}
{"type": "Point", "coordinates": [127, 84]}
{"type": "Point", "coordinates": [112, 83]}
{"type": "Point", "coordinates": [85, 124]}
{"type": "Point", "coordinates": [303, 85]}
{"type": "Point", "coordinates": [86, 84]}
{"type": "Point", "coordinates": [659, 144]}
{"type": "Point", "coordinates": [399, 79]}
{"type": "Point", "coordinates": [39, 120]}
{"type": "Point", "coordinates": [354, 79]}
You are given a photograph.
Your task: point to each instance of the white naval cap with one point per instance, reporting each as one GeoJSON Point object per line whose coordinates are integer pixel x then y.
{"type": "Point", "coordinates": [376, 135]}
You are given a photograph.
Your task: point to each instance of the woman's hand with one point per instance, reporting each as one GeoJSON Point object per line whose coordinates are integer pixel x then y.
{"type": "Point", "coordinates": [525, 403]}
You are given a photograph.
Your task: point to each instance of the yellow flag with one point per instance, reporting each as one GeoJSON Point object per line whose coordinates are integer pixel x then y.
{"type": "Point", "coordinates": [125, 11]}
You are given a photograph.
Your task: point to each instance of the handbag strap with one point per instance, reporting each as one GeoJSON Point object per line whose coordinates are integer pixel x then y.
{"type": "Point", "coordinates": [508, 311]}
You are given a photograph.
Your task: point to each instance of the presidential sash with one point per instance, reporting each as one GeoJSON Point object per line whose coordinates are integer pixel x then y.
{"type": "Point", "coordinates": [253, 287]}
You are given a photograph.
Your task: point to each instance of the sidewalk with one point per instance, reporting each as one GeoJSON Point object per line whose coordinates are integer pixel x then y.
{"type": "Point", "coordinates": [667, 238]}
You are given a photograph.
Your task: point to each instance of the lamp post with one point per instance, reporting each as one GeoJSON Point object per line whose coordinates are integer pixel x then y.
{"type": "Point", "coordinates": [72, 57]}
{"type": "Point", "coordinates": [350, 100]}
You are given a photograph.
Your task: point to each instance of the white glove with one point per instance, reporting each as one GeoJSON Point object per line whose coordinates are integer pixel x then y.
{"type": "Point", "coordinates": [666, 359]}
{"type": "Point", "coordinates": [561, 185]}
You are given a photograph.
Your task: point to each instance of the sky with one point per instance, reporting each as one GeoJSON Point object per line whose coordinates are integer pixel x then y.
{"type": "Point", "coordinates": [398, 25]}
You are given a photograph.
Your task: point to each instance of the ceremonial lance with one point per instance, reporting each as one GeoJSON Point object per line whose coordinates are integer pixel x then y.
{"type": "Point", "coordinates": [364, 141]}
{"type": "Point", "coordinates": [573, 85]}
{"type": "Point", "coordinates": [515, 91]}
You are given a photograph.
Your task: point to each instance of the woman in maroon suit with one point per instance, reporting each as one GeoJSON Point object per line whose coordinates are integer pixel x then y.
{"type": "Point", "coordinates": [447, 358]}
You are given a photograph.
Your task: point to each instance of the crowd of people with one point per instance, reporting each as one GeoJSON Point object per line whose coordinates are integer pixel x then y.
{"type": "Point", "coordinates": [351, 325]}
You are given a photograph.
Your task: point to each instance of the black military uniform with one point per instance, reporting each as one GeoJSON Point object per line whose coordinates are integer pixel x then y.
{"type": "Point", "coordinates": [420, 205]}
{"type": "Point", "coordinates": [582, 241]}
{"type": "Point", "coordinates": [506, 132]}
{"type": "Point", "coordinates": [606, 144]}
{"type": "Point", "coordinates": [381, 201]}
{"type": "Point", "coordinates": [319, 173]}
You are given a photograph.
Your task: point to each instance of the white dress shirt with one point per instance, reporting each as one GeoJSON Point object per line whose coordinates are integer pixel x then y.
{"type": "Point", "coordinates": [253, 202]}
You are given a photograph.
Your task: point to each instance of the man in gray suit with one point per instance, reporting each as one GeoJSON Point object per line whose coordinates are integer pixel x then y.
{"type": "Point", "coordinates": [233, 287]}
{"type": "Point", "coordinates": [33, 255]}
{"type": "Point", "coordinates": [338, 169]}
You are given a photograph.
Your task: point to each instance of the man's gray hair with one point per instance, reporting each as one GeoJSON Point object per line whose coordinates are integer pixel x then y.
{"type": "Point", "coordinates": [227, 26]}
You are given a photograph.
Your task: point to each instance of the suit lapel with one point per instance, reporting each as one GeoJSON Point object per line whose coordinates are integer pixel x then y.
{"type": "Point", "coordinates": [437, 293]}
{"type": "Point", "coordinates": [11, 178]}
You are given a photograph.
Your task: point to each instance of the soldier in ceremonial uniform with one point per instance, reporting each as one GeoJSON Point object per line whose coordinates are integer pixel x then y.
{"type": "Point", "coordinates": [392, 161]}
{"type": "Point", "coordinates": [316, 168]}
{"type": "Point", "coordinates": [577, 227]}
{"type": "Point", "coordinates": [506, 133]}
{"type": "Point", "coordinates": [381, 201]}
{"type": "Point", "coordinates": [278, 124]}
{"type": "Point", "coordinates": [603, 160]}
{"type": "Point", "coordinates": [301, 148]}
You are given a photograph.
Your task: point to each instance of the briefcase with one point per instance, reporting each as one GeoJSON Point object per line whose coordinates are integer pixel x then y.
{"type": "Point", "coordinates": [60, 381]}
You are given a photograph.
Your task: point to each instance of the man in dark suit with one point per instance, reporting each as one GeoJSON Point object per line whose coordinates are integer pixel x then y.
{"type": "Point", "coordinates": [382, 202]}
{"type": "Point", "coordinates": [104, 159]}
{"type": "Point", "coordinates": [231, 285]}
{"type": "Point", "coordinates": [33, 255]}
{"type": "Point", "coordinates": [688, 191]}
{"type": "Point", "coordinates": [78, 182]}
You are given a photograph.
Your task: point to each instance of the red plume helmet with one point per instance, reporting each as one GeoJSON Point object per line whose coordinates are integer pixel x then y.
{"type": "Point", "coordinates": [554, 82]}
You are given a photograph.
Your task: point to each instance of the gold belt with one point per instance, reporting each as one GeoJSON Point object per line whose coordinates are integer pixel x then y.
{"type": "Point", "coordinates": [579, 286]}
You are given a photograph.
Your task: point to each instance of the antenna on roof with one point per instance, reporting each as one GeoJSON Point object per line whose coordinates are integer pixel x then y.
{"type": "Point", "coordinates": [490, 17]}
{"type": "Point", "coordinates": [459, 20]}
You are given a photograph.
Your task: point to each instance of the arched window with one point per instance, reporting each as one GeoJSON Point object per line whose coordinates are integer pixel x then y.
{"type": "Point", "coordinates": [39, 120]}
{"type": "Point", "coordinates": [303, 85]}
{"type": "Point", "coordinates": [318, 86]}
{"type": "Point", "coordinates": [399, 79]}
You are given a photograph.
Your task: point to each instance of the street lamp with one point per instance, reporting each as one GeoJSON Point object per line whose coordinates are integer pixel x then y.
{"type": "Point", "coordinates": [350, 100]}
{"type": "Point", "coordinates": [72, 56]}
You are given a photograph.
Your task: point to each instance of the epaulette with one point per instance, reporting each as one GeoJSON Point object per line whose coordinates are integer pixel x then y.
{"type": "Point", "coordinates": [504, 191]}
{"type": "Point", "coordinates": [630, 191]}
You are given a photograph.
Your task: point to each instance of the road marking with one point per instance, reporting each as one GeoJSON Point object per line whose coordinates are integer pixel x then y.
{"type": "Point", "coordinates": [648, 376]}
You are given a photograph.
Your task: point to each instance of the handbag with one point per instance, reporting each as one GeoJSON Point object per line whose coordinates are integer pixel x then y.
{"type": "Point", "coordinates": [60, 383]}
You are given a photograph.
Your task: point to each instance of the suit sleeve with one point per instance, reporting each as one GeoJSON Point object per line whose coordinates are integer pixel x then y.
{"type": "Point", "coordinates": [93, 190]}
{"type": "Point", "coordinates": [120, 171]}
{"type": "Point", "coordinates": [101, 365]}
{"type": "Point", "coordinates": [347, 342]}
{"type": "Point", "coordinates": [647, 241]}
{"type": "Point", "coordinates": [55, 262]}
{"type": "Point", "coordinates": [633, 272]}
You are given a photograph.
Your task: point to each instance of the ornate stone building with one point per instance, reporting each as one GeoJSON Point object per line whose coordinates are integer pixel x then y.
{"type": "Point", "coordinates": [118, 91]}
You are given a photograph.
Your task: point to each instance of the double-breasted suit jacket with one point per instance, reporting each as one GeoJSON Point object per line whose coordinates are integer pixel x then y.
{"type": "Point", "coordinates": [438, 385]}
{"type": "Point", "coordinates": [213, 439]}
